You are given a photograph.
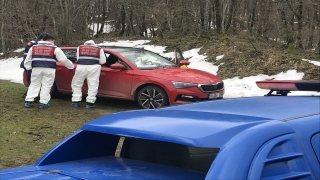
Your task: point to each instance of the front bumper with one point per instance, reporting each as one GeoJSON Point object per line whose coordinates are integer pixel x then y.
{"type": "Point", "coordinates": [195, 94]}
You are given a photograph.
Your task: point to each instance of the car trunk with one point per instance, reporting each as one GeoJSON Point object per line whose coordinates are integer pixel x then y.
{"type": "Point", "coordinates": [34, 174]}
{"type": "Point", "coordinates": [107, 168]}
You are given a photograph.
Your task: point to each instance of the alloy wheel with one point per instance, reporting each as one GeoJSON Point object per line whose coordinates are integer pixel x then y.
{"type": "Point", "coordinates": [152, 97]}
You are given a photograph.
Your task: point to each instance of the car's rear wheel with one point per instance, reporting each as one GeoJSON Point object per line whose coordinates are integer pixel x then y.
{"type": "Point", "coordinates": [152, 97]}
{"type": "Point", "coordinates": [54, 93]}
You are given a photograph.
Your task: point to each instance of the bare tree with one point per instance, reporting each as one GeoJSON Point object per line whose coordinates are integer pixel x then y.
{"type": "Point", "coordinates": [218, 18]}
{"type": "Point", "coordinates": [2, 35]}
{"type": "Point", "coordinates": [297, 13]}
{"type": "Point", "coordinates": [291, 22]}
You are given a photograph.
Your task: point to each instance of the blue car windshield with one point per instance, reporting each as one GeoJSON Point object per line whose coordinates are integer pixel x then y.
{"type": "Point", "coordinates": [144, 59]}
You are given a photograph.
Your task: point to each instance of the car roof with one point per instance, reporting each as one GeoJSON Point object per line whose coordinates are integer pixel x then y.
{"type": "Point", "coordinates": [68, 48]}
{"type": "Point", "coordinates": [120, 47]}
{"type": "Point", "coordinates": [112, 48]}
{"type": "Point", "coordinates": [197, 124]}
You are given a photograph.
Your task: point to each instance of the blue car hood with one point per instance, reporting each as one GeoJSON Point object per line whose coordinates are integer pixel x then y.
{"type": "Point", "coordinates": [205, 124]}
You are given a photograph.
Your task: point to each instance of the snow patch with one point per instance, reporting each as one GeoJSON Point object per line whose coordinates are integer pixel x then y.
{"type": "Point", "coordinates": [10, 70]}
{"type": "Point", "coordinates": [234, 87]}
{"type": "Point", "coordinates": [19, 50]}
{"type": "Point", "coordinates": [317, 63]}
{"type": "Point", "coordinates": [219, 57]}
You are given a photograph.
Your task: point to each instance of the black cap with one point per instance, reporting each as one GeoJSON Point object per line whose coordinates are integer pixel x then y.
{"type": "Point", "coordinates": [42, 35]}
{"type": "Point", "coordinates": [48, 37]}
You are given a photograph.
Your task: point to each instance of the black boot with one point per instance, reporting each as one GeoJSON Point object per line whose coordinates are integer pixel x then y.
{"type": "Point", "coordinates": [24, 95]}
{"type": "Point", "coordinates": [36, 99]}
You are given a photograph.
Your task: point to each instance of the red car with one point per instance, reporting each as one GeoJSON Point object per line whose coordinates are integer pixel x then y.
{"type": "Point", "coordinates": [146, 77]}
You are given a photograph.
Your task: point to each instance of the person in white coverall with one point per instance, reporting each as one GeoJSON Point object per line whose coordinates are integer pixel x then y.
{"type": "Point", "coordinates": [89, 58]}
{"type": "Point", "coordinates": [41, 64]}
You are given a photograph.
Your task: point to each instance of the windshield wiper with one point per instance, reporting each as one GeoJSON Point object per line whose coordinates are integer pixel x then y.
{"type": "Point", "coordinates": [170, 66]}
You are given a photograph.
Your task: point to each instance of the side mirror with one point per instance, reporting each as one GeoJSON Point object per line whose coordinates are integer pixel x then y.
{"type": "Point", "coordinates": [117, 66]}
{"type": "Point", "coordinates": [184, 62]}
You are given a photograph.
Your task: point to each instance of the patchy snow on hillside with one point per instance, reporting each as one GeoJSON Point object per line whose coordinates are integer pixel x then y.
{"type": "Point", "coordinates": [234, 87]}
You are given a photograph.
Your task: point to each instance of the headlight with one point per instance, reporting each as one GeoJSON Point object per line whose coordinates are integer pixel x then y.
{"type": "Point", "coordinates": [180, 85]}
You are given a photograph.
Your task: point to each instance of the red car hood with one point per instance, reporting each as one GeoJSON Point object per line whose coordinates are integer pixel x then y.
{"type": "Point", "coordinates": [184, 75]}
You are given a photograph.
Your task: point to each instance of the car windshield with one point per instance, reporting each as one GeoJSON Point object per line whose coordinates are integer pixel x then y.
{"type": "Point", "coordinates": [144, 59]}
{"type": "Point", "coordinates": [71, 54]}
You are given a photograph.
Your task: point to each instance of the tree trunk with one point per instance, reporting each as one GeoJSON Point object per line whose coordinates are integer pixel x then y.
{"type": "Point", "coordinates": [318, 27]}
{"type": "Point", "coordinates": [312, 22]}
{"type": "Point", "coordinates": [122, 20]}
{"type": "Point", "coordinates": [202, 15]}
{"type": "Point", "coordinates": [266, 20]}
{"type": "Point", "coordinates": [207, 16]}
{"type": "Point", "coordinates": [2, 35]}
{"type": "Point", "coordinates": [252, 17]}
{"type": "Point", "coordinates": [224, 15]}
{"type": "Point", "coordinates": [159, 30]}
{"type": "Point", "coordinates": [131, 22]}
{"type": "Point", "coordinates": [261, 17]}
{"type": "Point", "coordinates": [300, 21]}
{"type": "Point", "coordinates": [231, 13]}
{"type": "Point", "coordinates": [218, 15]}
{"type": "Point", "coordinates": [103, 20]}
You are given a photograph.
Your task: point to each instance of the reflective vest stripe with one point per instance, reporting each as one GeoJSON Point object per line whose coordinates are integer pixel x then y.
{"type": "Point", "coordinates": [45, 64]}
{"type": "Point", "coordinates": [88, 61]}
{"type": "Point", "coordinates": [90, 58]}
{"type": "Point", "coordinates": [44, 58]}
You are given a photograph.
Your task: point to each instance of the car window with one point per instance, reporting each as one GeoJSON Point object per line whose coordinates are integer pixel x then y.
{"type": "Point", "coordinates": [144, 59]}
{"type": "Point", "coordinates": [112, 59]}
{"type": "Point", "coordinates": [71, 54]}
{"type": "Point", "coordinates": [170, 154]}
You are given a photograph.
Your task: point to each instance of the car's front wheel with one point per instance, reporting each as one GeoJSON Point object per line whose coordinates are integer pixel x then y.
{"type": "Point", "coordinates": [152, 97]}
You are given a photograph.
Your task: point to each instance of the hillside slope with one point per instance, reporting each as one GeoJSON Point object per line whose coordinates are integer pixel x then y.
{"type": "Point", "coordinates": [244, 56]}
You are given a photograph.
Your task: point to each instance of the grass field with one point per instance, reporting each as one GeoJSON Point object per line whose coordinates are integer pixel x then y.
{"type": "Point", "coordinates": [27, 133]}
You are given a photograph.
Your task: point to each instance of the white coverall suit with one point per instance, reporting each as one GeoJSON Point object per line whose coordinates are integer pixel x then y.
{"type": "Point", "coordinates": [41, 58]}
{"type": "Point", "coordinates": [89, 57]}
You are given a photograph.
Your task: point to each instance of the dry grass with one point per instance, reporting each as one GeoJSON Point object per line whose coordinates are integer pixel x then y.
{"type": "Point", "coordinates": [26, 134]}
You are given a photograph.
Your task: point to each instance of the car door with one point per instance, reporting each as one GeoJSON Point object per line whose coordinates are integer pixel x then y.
{"type": "Point", "coordinates": [63, 75]}
{"type": "Point", "coordinates": [115, 82]}
{"type": "Point", "coordinates": [63, 78]}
